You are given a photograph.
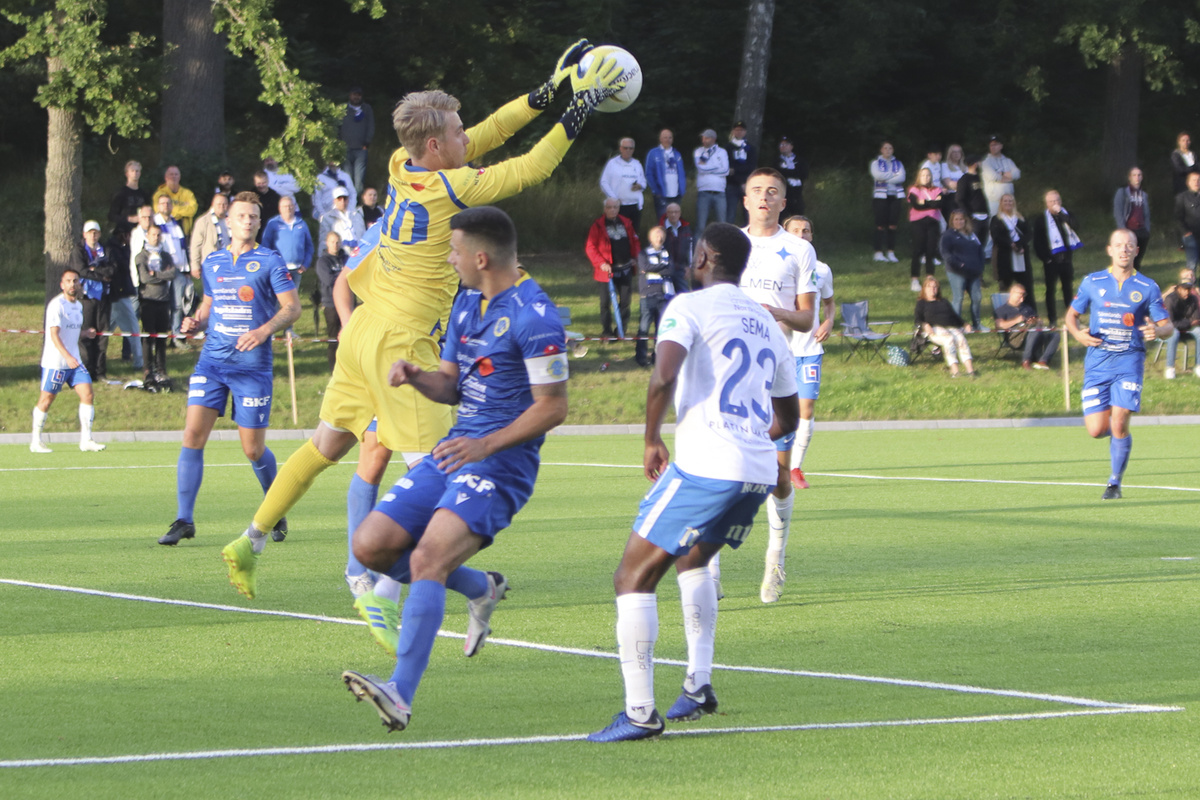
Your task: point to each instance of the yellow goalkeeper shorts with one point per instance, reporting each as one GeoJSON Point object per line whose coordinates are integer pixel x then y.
{"type": "Point", "coordinates": [359, 391]}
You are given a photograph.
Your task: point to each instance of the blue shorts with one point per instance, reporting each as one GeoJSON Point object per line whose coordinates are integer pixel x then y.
{"type": "Point", "coordinates": [53, 379]}
{"type": "Point", "coordinates": [1103, 389]}
{"type": "Point", "coordinates": [682, 509]}
{"type": "Point", "coordinates": [211, 384]}
{"type": "Point", "coordinates": [808, 387]}
{"type": "Point", "coordinates": [485, 495]}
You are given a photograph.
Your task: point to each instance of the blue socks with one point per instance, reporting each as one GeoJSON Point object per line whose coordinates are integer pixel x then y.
{"type": "Point", "coordinates": [1118, 450]}
{"type": "Point", "coordinates": [264, 469]}
{"type": "Point", "coordinates": [360, 499]}
{"type": "Point", "coordinates": [188, 476]}
{"type": "Point", "coordinates": [470, 583]}
{"type": "Point", "coordinates": [423, 613]}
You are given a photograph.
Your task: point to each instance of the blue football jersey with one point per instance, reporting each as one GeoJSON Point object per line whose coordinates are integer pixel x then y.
{"type": "Point", "coordinates": [1115, 311]}
{"type": "Point", "coordinates": [516, 343]}
{"type": "Point", "coordinates": [244, 296]}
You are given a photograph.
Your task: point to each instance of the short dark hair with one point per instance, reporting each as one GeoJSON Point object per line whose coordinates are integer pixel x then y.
{"type": "Point", "coordinates": [730, 246]}
{"type": "Point", "coordinates": [69, 269]}
{"type": "Point", "coordinates": [769, 171]}
{"type": "Point", "coordinates": [494, 227]}
{"type": "Point", "coordinates": [262, 173]}
{"type": "Point", "coordinates": [971, 161]}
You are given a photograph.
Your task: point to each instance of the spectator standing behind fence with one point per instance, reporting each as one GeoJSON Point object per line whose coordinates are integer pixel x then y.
{"type": "Point", "coordinates": [888, 174]}
{"type": "Point", "coordinates": [357, 130]}
{"type": "Point", "coordinates": [679, 245]}
{"type": "Point", "coordinates": [1131, 210]}
{"type": "Point", "coordinates": [1183, 162]}
{"type": "Point", "coordinates": [122, 211]}
{"type": "Point", "coordinates": [794, 170]}
{"type": "Point", "coordinates": [963, 255]}
{"type": "Point", "coordinates": [156, 274]}
{"type": "Point", "coordinates": [268, 198]}
{"type": "Point", "coordinates": [925, 223]}
{"type": "Point", "coordinates": [624, 179]}
{"type": "Point", "coordinates": [942, 326]}
{"type": "Point", "coordinates": [613, 247]}
{"type": "Point", "coordinates": [972, 200]}
{"type": "Point", "coordinates": [655, 289]}
{"type": "Point", "coordinates": [90, 260]}
{"type": "Point", "coordinates": [1055, 242]}
{"type": "Point", "coordinates": [282, 182]}
{"type": "Point", "coordinates": [329, 265]}
{"type": "Point", "coordinates": [345, 220]}
{"type": "Point", "coordinates": [288, 235]}
{"type": "Point", "coordinates": [712, 169]}
{"type": "Point", "coordinates": [329, 180]}
{"type": "Point", "coordinates": [174, 243]}
{"type": "Point", "coordinates": [370, 209]}
{"type": "Point", "coordinates": [933, 163]}
{"type": "Point", "coordinates": [1187, 218]}
{"type": "Point", "coordinates": [665, 176]}
{"type": "Point", "coordinates": [999, 172]}
{"type": "Point", "coordinates": [1011, 240]}
{"type": "Point", "coordinates": [225, 183]}
{"type": "Point", "coordinates": [1017, 314]}
{"type": "Point", "coordinates": [743, 159]}
{"type": "Point", "coordinates": [124, 315]}
{"type": "Point", "coordinates": [1182, 302]}
{"type": "Point", "coordinates": [210, 232]}
{"type": "Point", "coordinates": [183, 202]}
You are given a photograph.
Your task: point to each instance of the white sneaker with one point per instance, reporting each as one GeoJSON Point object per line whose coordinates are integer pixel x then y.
{"type": "Point", "coordinates": [360, 584]}
{"type": "Point", "coordinates": [916, 285]}
{"type": "Point", "coordinates": [880, 256]}
{"type": "Point", "coordinates": [479, 613]}
{"type": "Point", "coordinates": [891, 256]}
{"type": "Point", "coordinates": [90, 446]}
{"type": "Point", "coordinates": [772, 584]}
{"type": "Point", "coordinates": [1169, 373]}
{"type": "Point", "coordinates": [38, 446]}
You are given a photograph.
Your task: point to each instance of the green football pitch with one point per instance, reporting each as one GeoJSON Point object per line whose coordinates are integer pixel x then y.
{"type": "Point", "coordinates": [963, 618]}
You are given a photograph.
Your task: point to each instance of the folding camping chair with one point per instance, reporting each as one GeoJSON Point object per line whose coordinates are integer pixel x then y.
{"type": "Point", "coordinates": [856, 330]}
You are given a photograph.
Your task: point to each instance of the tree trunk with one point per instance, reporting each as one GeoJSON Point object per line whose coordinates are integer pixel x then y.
{"type": "Point", "coordinates": [64, 187]}
{"type": "Point", "coordinates": [756, 57]}
{"type": "Point", "coordinates": [194, 102]}
{"type": "Point", "coordinates": [1122, 101]}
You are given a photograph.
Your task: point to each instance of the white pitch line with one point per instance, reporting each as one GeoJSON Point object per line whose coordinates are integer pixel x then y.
{"type": "Point", "coordinates": [124, 466]}
{"type": "Point", "coordinates": [550, 648]}
{"type": "Point", "coordinates": [573, 737]}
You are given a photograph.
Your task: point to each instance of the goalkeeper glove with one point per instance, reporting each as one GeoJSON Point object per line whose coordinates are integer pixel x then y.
{"type": "Point", "coordinates": [541, 97]}
{"type": "Point", "coordinates": [603, 79]}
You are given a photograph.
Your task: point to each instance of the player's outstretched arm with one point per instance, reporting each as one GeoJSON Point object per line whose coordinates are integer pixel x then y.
{"type": "Point", "coordinates": [548, 411]}
{"type": "Point", "coordinates": [668, 360]}
{"type": "Point", "coordinates": [440, 386]}
{"type": "Point", "coordinates": [786, 417]}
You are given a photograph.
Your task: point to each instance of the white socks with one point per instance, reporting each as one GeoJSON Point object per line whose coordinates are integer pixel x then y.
{"type": "Point", "coordinates": [714, 567]}
{"type": "Point", "coordinates": [804, 432]}
{"type": "Point", "coordinates": [39, 422]}
{"type": "Point", "coordinates": [387, 588]}
{"type": "Point", "coordinates": [86, 415]}
{"type": "Point", "coordinates": [698, 596]}
{"type": "Point", "coordinates": [637, 630]}
{"type": "Point", "coordinates": [779, 515]}
{"type": "Point", "coordinates": [258, 539]}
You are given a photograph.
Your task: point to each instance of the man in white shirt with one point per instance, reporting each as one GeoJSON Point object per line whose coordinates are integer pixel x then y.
{"type": "Point", "coordinates": [174, 243]}
{"type": "Point", "coordinates": [625, 180]}
{"type": "Point", "coordinates": [712, 167]}
{"type": "Point", "coordinates": [727, 364]}
{"type": "Point", "coordinates": [781, 276]}
{"type": "Point", "coordinates": [998, 173]}
{"type": "Point", "coordinates": [61, 364]}
{"type": "Point", "coordinates": [282, 182]}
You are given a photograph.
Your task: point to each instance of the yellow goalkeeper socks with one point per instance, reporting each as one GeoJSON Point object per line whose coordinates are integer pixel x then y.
{"type": "Point", "coordinates": [293, 480]}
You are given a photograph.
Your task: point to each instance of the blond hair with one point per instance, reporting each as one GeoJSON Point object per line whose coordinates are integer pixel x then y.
{"type": "Point", "coordinates": [421, 116]}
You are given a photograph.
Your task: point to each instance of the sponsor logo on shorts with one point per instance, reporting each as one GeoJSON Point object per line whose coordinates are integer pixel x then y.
{"type": "Point", "coordinates": [690, 535]}
{"type": "Point", "coordinates": [1130, 386]}
{"type": "Point", "coordinates": [755, 488]}
{"type": "Point", "coordinates": [461, 497]}
{"type": "Point", "coordinates": [256, 402]}
{"type": "Point", "coordinates": [475, 482]}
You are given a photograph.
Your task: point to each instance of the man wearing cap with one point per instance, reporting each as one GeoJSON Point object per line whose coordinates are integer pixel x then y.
{"type": "Point", "coordinates": [664, 173]}
{"type": "Point", "coordinates": [712, 167]}
{"type": "Point", "coordinates": [624, 180]}
{"type": "Point", "coordinates": [795, 171]}
{"type": "Point", "coordinates": [357, 130]}
{"type": "Point", "coordinates": [743, 159]}
{"type": "Point", "coordinates": [90, 260]}
{"type": "Point", "coordinates": [998, 172]}
{"type": "Point", "coordinates": [343, 219]}
{"type": "Point", "coordinates": [331, 178]}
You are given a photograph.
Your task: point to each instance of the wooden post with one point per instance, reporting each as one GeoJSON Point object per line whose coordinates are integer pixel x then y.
{"type": "Point", "coordinates": [292, 378]}
{"type": "Point", "coordinates": [1066, 368]}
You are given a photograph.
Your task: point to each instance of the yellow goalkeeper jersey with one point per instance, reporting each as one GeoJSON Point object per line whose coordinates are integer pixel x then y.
{"type": "Point", "coordinates": [407, 278]}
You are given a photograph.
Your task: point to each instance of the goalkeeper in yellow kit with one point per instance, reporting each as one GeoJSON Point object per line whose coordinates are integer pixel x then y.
{"type": "Point", "coordinates": [406, 284]}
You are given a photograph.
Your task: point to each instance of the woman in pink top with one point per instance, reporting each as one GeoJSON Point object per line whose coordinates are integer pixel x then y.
{"type": "Point", "coordinates": [925, 222]}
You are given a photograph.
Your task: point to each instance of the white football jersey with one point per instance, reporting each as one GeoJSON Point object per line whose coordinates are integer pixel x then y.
{"type": "Point", "coordinates": [737, 360]}
{"type": "Point", "coordinates": [61, 313]}
{"type": "Point", "coordinates": [804, 343]}
{"type": "Point", "coordinates": [780, 267]}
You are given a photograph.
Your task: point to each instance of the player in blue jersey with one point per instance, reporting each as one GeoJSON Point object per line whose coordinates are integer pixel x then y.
{"type": "Point", "coordinates": [730, 369]}
{"type": "Point", "coordinates": [1125, 310]}
{"type": "Point", "coordinates": [248, 297]}
{"type": "Point", "coordinates": [504, 364]}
